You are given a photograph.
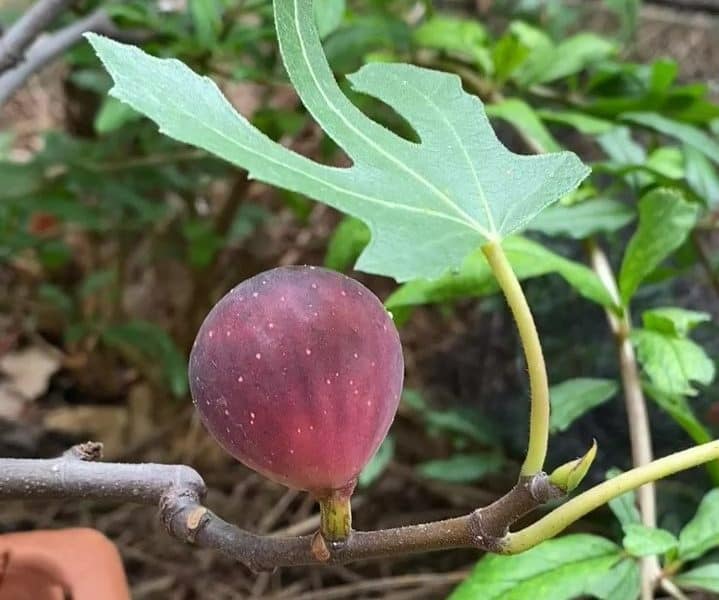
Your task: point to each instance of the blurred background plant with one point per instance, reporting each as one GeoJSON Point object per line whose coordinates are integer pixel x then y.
{"type": "Point", "coordinates": [115, 241]}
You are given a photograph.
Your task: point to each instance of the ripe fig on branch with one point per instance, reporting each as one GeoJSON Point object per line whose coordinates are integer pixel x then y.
{"type": "Point", "coordinates": [297, 373]}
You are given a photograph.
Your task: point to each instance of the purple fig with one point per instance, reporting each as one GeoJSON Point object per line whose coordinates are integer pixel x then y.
{"type": "Point", "coordinates": [297, 373]}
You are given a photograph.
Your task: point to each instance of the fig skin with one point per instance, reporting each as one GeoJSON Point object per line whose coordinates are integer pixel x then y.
{"type": "Point", "coordinates": [297, 373]}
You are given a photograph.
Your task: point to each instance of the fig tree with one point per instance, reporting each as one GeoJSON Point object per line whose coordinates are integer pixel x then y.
{"type": "Point", "coordinates": [297, 373]}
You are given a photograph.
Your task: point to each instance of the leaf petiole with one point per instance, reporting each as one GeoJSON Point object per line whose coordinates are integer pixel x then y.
{"type": "Point", "coordinates": [538, 382]}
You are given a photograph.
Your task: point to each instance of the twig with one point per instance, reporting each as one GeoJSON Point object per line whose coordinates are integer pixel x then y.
{"type": "Point", "coordinates": [571, 511]}
{"type": "Point", "coordinates": [178, 490]}
{"type": "Point", "coordinates": [672, 589]}
{"type": "Point", "coordinates": [27, 28]}
{"type": "Point", "coordinates": [637, 416]}
{"type": "Point", "coordinates": [49, 48]}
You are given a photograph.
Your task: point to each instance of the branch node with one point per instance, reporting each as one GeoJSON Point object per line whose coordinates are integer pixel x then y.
{"type": "Point", "coordinates": [483, 533]}
{"type": "Point", "coordinates": [319, 548]}
{"type": "Point", "coordinates": [194, 521]}
{"type": "Point", "coordinates": [88, 452]}
{"type": "Point", "coordinates": [542, 489]}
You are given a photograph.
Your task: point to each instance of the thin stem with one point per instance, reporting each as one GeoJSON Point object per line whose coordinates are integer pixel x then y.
{"type": "Point", "coordinates": [335, 517]}
{"type": "Point", "coordinates": [576, 508]}
{"type": "Point", "coordinates": [27, 28]}
{"type": "Point", "coordinates": [637, 416]}
{"type": "Point", "coordinates": [538, 383]}
{"type": "Point", "coordinates": [48, 49]}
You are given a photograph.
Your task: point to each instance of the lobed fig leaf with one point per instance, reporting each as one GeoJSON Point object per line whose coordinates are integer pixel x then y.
{"type": "Point", "coordinates": [297, 373]}
{"type": "Point", "coordinates": [457, 189]}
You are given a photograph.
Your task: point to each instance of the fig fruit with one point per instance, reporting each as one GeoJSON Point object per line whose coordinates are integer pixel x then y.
{"type": "Point", "coordinates": [297, 373]}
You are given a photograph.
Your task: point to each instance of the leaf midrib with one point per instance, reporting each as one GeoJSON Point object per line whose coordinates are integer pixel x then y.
{"type": "Point", "coordinates": [378, 148]}
{"type": "Point", "coordinates": [324, 182]}
{"type": "Point", "coordinates": [480, 190]}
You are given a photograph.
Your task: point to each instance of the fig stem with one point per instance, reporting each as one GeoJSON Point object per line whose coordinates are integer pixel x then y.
{"type": "Point", "coordinates": [538, 382]}
{"type": "Point", "coordinates": [335, 516]}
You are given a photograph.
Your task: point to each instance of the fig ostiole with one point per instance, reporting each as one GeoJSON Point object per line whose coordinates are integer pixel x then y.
{"type": "Point", "coordinates": [297, 373]}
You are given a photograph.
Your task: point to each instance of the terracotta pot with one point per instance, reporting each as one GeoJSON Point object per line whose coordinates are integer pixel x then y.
{"type": "Point", "coordinates": [81, 564]}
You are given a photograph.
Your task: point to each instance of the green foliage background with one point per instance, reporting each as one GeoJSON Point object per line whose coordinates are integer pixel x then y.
{"type": "Point", "coordinates": [139, 201]}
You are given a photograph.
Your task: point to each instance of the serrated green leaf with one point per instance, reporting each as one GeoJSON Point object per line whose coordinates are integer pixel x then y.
{"type": "Point", "coordinates": [549, 63]}
{"type": "Point", "coordinates": [573, 398]}
{"type": "Point", "coordinates": [668, 161]}
{"type": "Point", "coordinates": [624, 507]}
{"type": "Point", "coordinates": [702, 176]}
{"type": "Point", "coordinates": [96, 281]}
{"type": "Point", "coordinates": [586, 124]}
{"type": "Point", "coordinates": [624, 151]}
{"type": "Point", "coordinates": [525, 119]}
{"type": "Point", "coordinates": [665, 220]}
{"type": "Point", "coordinates": [704, 578]}
{"type": "Point", "coordinates": [663, 74]}
{"type": "Point", "coordinates": [640, 540]}
{"type": "Point", "coordinates": [701, 534]}
{"type": "Point", "coordinates": [673, 320]}
{"type": "Point", "coordinates": [621, 147]}
{"type": "Point", "coordinates": [247, 219]}
{"type": "Point", "coordinates": [532, 37]}
{"type": "Point", "coordinates": [672, 363]}
{"type": "Point", "coordinates": [203, 242]}
{"type": "Point", "coordinates": [461, 423]}
{"type": "Point", "coordinates": [455, 36]}
{"type": "Point", "coordinates": [689, 134]}
{"type": "Point", "coordinates": [56, 296]}
{"type": "Point", "coordinates": [560, 569]}
{"type": "Point", "coordinates": [462, 468]}
{"type": "Point", "coordinates": [112, 115]}
{"type": "Point", "coordinates": [679, 409]}
{"type": "Point", "coordinates": [478, 192]}
{"type": "Point", "coordinates": [507, 56]}
{"type": "Point", "coordinates": [347, 47]}
{"type": "Point", "coordinates": [379, 462]}
{"type": "Point", "coordinates": [623, 582]}
{"type": "Point", "coordinates": [346, 244]}
{"type": "Point", "coordinates": [19, 180]}
{"type": "Point", "coordinates": [582, 220]}
{"type": "Point", "coordinates": [207, 19]}
{"type": "Point", "coordinates": [145, 340]}
{"type": "Point", "coordinates": [328, 15]}
{"type": "Point", "coordinates": [474, 279]}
